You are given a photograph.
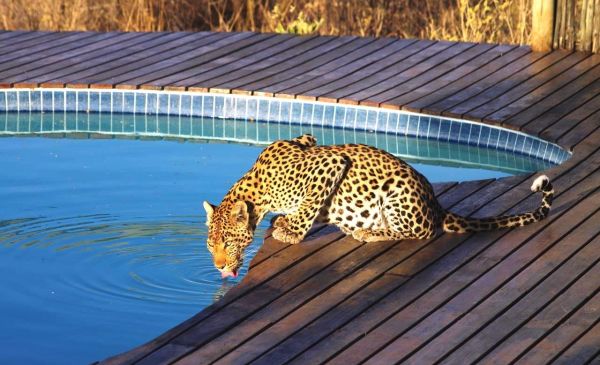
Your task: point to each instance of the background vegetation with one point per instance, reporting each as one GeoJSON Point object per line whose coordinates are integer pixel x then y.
{"type": "Point", "coordinates": [495, 21]}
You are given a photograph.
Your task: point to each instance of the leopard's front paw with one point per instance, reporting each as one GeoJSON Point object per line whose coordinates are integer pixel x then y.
{"type": "Point", "coordinates": [279, 221]}
{"type": "Point", "coordinates": [285, 235]}
{"type": "Point", "coordinates": [363, 235]}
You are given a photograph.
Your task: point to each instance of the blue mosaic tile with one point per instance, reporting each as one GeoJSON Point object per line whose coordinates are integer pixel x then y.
{"type": "Point", "coordinates": [185, 105]}
{"type": "Point", "coordinates": [263, 110]}
{"type": "Point", "coordinates": [151, 104]}
{"type": "Point", "coordinates": [423, 126]}
{"type": "Point", "coordinates": [413, 125]}
{"type": "Point", "coordinates": [136, 104]}
{"type": "Point", "coordinates": [23, 101]}
{"type": "Point", "coordinates": [350, 118]}
{"type": "Point", "coordinates": [195, 105]}
{"type": "Point", "coordinates": [484, 136]}
{"type": "Point", "coordinates": [174, 103]}
{"type": "Point", "coordinates": [3, 101]}
{"type": "Point", "coordinates": [128, 104]}
{"type": "Point", "coordinates": [71, 101]}
{"type": "Point", "coordinates": [228, 107]}
{"type": "Point", "coordinates": [11, 102]}
{"type": "Point", "coordinates": [474, 133]}
{"type": "Point", "coordinates": [361, 119]}
{"type": "Point", "coordinates": [103, 102]}
{"type": "Point", "coordinates": [494, 138]}
{"type": "Point", "coordinates": [59, 101]}
{"type": "Point", "coordinates": [454, 131]}
{"type": "Point", "coordinates": [218, 106]}
{"type": "Point", "coordinates": [286, 111]}
{"type": "Point", "coordinates": [444, 134]}
{"type": "Point", "coordinates": [94, 101]}
{"type": "Point", "coordinates": [47, 99]}
{"type": "Point", "coordinates": [339, 116]}
{"type": "Point", "coordinates": [272, 110]}
{"type": "Point", "coordinates": [434, 128]}
{"type": "Point", "coordinates": [163, 104]}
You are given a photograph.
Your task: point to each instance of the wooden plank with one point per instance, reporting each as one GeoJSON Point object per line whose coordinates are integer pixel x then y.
{"type": "Point", "coordinates": [29, 41]}
{"type": "Point", "coordinates": [405, 333]}
{"type": "Point", "coordinates": [514, 79]}
{"type": "Point", "coordinates": [362, 90]}
{"type": "Point", "coordinates": [573, 137]}
{"type": "Point", "coordinates": [31, 61]}
{"type": "Point", "coordinates": [402, 87]}
{"type": "Point", "coordinates": [487, 83]}
{"type": "Point", "coordinates": [131, 58]}
{"type": "Point", "coordinates": [541, 283]}
{"type": "Point", "coordinates": [34, 71]}
{"type": "Point", "coordinates": [558, 104]}
{"type": "Point", "coordinates": [170, 353]}
{"type": "Point", "coordinates": [11, 37]}
{"type": "Point", "coordinates": [434, 84]}
{"type": "Point", "coordinates": [267, 250]}
{"type": "Point", "coordinates": [99, 53]}
{"type": "Point", "coordinates": [221, 48]}
{"type": "Point", "coordinates": [53, 46]}
{"type": "Point", "coordinates": [495, 110]}
{"type": "Point", "coordinates": [582, 350]}
{"type": "Point", "coordinates": [367, 322]}
{"type": "Point", "coordinates": [143, 62]}
{"type": "Point", "coordinates": [557, 121]}
{"type": "Point", "coordinates": [383, 66]}
{"type": "Point", "coordinates": [575, 77]}
{"type": "Point", "coordinates": [261, 81]}
{"type": "Point", "coordinates": [464, 82]}
{"type": "Point", "coordinates": [293, 48]}
{"type": "Point", "coordinates": [331, 67]}
{"type": "Point", "coordinates": [343, 74]}
{"type": "Point", "coordinates": [535, 333]}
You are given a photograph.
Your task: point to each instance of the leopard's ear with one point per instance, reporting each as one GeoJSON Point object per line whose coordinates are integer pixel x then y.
{"type": "Point", "coordinates": [210, 209]}
{"type": "Point", "coordinates": [239, 212]}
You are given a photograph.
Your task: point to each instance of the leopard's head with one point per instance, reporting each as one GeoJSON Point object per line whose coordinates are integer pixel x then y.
{"type": "Point", "coordinates": [229, 233]}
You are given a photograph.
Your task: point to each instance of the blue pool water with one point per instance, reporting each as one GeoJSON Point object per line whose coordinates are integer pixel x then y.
{"type": "Point", "coordinates": [102, 235]}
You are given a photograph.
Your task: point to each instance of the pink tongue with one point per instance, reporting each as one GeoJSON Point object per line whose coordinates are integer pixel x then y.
{"type": "Point", "coordinates": [225, 274]}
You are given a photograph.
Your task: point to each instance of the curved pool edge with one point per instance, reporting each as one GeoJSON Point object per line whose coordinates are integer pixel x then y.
{"type": "Point", "coordinates": [145, 103]}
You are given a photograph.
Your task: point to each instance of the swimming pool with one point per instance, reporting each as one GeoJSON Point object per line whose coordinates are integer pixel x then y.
{"type": "Point", "coordinates": [102, 229]}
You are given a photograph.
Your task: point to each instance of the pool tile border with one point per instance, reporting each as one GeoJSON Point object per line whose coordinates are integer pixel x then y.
{"type": "Point", "coordinates": [279, 110]}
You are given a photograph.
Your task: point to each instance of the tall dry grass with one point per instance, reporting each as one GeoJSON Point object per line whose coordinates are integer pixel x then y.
{"type": "Point", "coordinates": [496, 21]}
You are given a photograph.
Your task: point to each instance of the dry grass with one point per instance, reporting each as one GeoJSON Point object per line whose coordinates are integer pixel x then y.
{"type": "Point", "coordinates": [496, 21]}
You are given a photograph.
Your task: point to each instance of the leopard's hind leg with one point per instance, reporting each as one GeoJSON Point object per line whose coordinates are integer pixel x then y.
{"type": "Point", "coordinates": [403, 221]}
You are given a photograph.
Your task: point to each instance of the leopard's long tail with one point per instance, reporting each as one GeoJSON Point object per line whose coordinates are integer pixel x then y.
{"type": "Point", "coordinates": [455, 223]}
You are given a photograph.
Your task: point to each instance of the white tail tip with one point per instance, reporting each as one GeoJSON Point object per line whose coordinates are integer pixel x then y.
{"type": "Point", "coordinates": [539, 183]}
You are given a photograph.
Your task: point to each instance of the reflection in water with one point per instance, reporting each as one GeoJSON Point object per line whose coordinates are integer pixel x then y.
{"type": "Point", "coordinates": [166, 260]}
{"type": "Point", "coordinates": [427, 150]}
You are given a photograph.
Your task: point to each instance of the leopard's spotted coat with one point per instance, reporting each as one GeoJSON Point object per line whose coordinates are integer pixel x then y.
{"type": "Point", "coordinates": [366, 192]}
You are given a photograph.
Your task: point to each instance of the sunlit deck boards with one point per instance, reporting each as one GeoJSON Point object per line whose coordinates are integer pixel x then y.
{"type": "Point", "coordinates": [529, 294]}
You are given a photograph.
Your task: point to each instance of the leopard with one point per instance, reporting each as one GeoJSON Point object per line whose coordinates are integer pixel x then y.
{"type": "Point", "coordinates": [366, 192]}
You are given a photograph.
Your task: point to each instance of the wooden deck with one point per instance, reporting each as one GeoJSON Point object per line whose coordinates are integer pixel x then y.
{"type": "Point", "coordinates": [528, 295]}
